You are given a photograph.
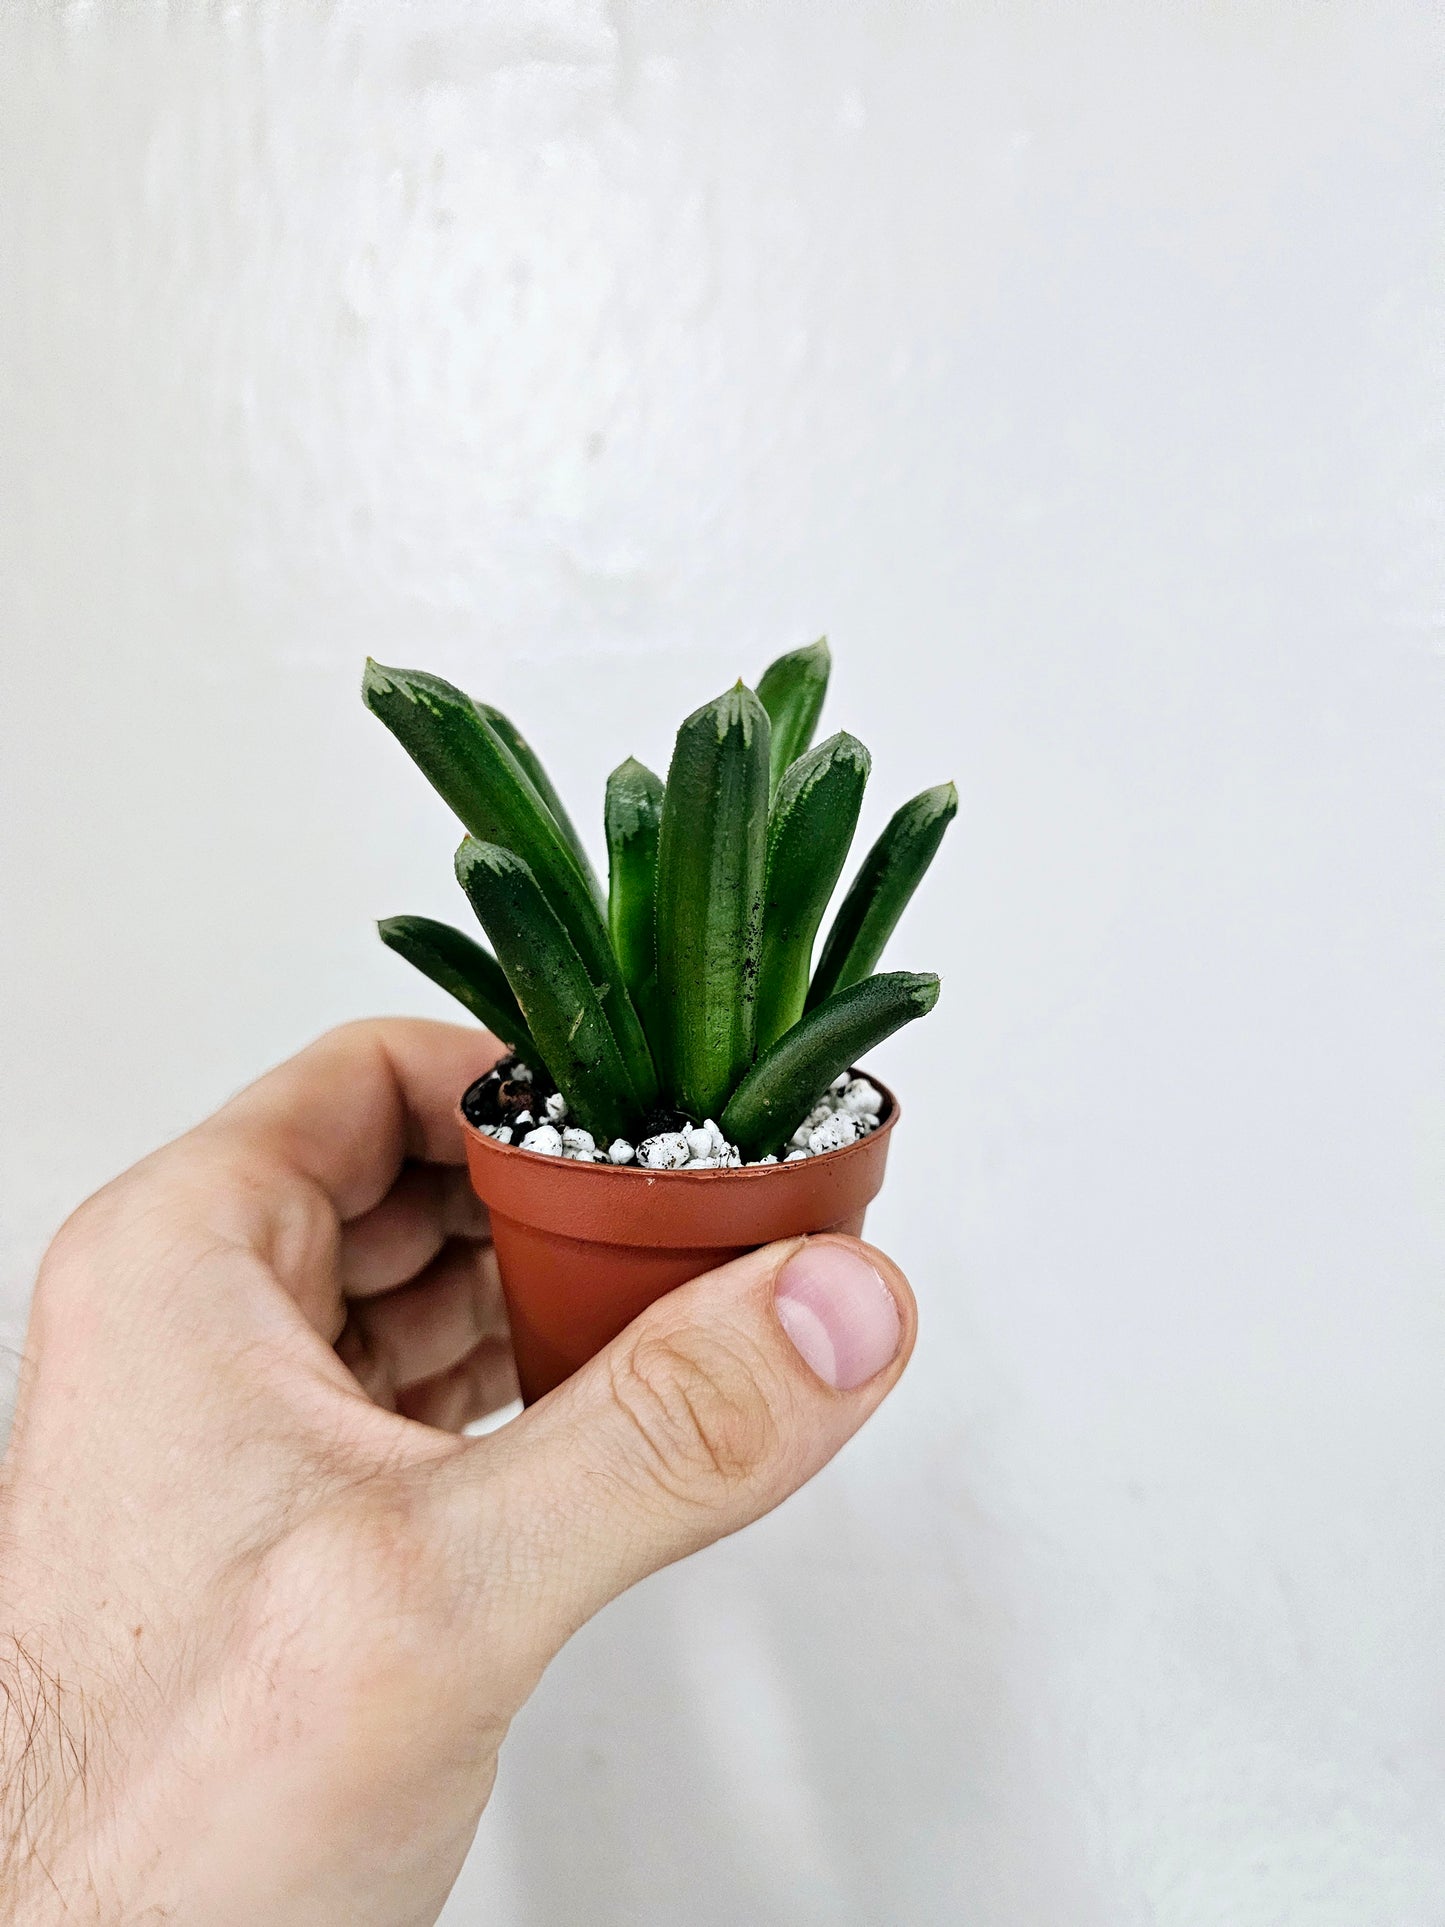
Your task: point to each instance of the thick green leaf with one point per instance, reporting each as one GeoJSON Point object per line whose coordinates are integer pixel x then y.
{"type": "Point", "coordinates": [563, 1010]}
{"type": "Point", "coordinates": [712, 851]}
{"type": "Point", "coordinates": [792, 691]}
{"type": "Point", "coordinates": [633, 818]}
{"type": "Point", "coordinates": [542, 784]}
{"type": "Point", "coordinates": [472, 769]}
{"type": "Point", "coordinates": [462, 968]}
{"type": "Point", "coordinates": [809, 832]}
{"type": "Point", "coordinates": [785, 1083]}
{"type": "Point", "coordinates": [878, 896]}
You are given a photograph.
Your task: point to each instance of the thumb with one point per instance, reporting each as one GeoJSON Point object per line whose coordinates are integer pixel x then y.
{"type": "Point", "coordinates": [720, 1400]}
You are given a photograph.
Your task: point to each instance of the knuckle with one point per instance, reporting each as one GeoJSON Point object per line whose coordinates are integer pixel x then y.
{"type": "Point", "coordinates": [151, 1225]}
{"type": "Point", "coordinates": [369, 1033]}
{"type": "Point", "coordinates": [72, 1244]}
{"type": "Point", "coordinates": [99, 1238]}
{"type": "Point", "coordinates": [697, 1405]}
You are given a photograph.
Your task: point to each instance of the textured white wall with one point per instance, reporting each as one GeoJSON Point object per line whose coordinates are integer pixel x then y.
{"type": "Point", "coordinates": [1078, 371]}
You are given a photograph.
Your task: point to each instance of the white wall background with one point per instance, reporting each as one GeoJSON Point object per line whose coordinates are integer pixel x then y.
{"type": "Point", "coordinates": [1078, 370]}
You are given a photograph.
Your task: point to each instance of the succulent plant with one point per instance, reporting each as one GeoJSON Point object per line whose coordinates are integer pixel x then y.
{"type": "Point", "coordinates": [690, 986]}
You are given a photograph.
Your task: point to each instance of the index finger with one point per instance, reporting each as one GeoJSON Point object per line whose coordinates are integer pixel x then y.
{"type": "Point", "coordinates": [350, 1109]}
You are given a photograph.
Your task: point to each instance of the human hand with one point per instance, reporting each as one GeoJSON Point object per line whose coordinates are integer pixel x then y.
{"type": "Point", "coordinates": [266, 1617]}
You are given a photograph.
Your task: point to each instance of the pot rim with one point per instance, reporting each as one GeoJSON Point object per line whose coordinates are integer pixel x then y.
{"type": "Point", "coordinates": [647, 1176]}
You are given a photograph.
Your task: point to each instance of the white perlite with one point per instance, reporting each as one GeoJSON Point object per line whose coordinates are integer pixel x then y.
{"type": "Point", "coordinates": [833, 1135]}
{"type": "Point", "coordinates": [668, 1151]}
{"type": "Point", "coordinates": [862, 1099]}
{"type": "Point", "coordinates": [848, 1111]}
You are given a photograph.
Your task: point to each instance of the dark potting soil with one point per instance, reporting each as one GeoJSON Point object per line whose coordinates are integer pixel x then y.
{"type": "Point", "coordinates": [500, 1098]}
{"type": "Point", "coordinates": [662, 1119]}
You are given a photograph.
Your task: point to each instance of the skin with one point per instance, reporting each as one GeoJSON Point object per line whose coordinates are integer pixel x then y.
{"type": "Point", "coordinates": [266, 1615]}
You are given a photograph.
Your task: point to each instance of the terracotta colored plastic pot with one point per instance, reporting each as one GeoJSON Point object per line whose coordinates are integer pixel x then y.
{"type": "Point", "coordinates": [583, 1248]}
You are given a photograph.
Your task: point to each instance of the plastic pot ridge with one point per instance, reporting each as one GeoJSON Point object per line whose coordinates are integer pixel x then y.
{"type": "Point", "coordinates": [583, 1248]}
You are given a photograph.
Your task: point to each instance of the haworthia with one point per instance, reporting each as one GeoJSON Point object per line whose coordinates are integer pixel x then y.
{"type": "Point", "coordinates": [554, 988]}
{"type": "Point", "coordinates": [462, 967]}
{"type": "Point", "coordinates": [532, 765]}
{"type": "Point", "coordinates": [810, 829]}
{"type": "Point", "coordinates": [633, 818]}
{"type": "Point", "coordinates": [712, 850]}
{"type": "Point", "coordinates": [792, 691]}
{"type": "Point", "coordinates": [878, 895]}
{"type": "Point", "coordinates": [784, 1084]}
{"type": "Point", "coordinates": [472, 769]}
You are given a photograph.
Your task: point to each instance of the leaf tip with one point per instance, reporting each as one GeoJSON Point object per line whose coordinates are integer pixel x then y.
{"type": "Point", "coordinates": [414, 684]}
{"type": "Point", "coordinates": [465, 858]}
{"type": "Point", "coordinates": [473, 855]}
{"type": "Point", "coordinates": [941, 801]}
{"type": "Point", "coordinates": [850, 749]}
